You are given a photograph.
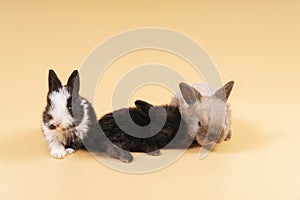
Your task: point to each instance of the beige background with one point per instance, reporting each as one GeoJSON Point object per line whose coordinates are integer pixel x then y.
{"type": "Point", "coordinates": [256, 43]}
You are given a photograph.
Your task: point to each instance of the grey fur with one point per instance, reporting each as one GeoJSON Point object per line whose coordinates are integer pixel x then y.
{"type": "Point", "coordinates": [205, 111]}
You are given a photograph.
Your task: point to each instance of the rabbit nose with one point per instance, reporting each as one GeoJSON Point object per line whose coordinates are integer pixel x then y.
{"type": "Point", "coordinates": [213, 137]}
{"type": "Point", "coordinates": [57, 124]}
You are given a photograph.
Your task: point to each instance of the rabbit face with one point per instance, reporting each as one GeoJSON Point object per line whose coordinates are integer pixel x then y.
{"type": "Point", "coordinates": [62, 102]}
{"type": "Point", "coordinates": [58, 110]}
{"type": "Point", "coordinates": [214, 123]}
{"type": "Point", "coordinates": [207, 117]}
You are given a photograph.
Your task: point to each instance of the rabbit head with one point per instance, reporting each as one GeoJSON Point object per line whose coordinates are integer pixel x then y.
{"type": "Point", "coordinates": [63, 110]}
{"type": "Point", "coordinates": [205, 111]}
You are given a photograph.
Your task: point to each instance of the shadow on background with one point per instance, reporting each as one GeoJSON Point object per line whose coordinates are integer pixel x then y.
{"type": "Point", "coordinates": [246, 137]}
{"type": "Point", "coordinates": [30, 145]}
{"type": "Point", "coordinates": [23, 146]}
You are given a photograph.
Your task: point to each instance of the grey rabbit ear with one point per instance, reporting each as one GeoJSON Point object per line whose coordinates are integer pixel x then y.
{"type": "Point", "coordinates": [224, 92]}
{"type": "Point", "coordinates": [53, 81]}
{"type": "Point", "coordinates": [143, 106]}
{"type": "Point", "coordinates": [74, 82]}
{"type": "Point", "coordinates": [189, 94]}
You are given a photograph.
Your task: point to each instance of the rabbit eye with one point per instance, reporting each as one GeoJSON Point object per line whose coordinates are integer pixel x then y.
{"type": "Point", "coordinates": [70, 108]}
{"type": "Point", "coordinates": [52, 127]}
{"type": "Point", "coordinates": [199, 123]}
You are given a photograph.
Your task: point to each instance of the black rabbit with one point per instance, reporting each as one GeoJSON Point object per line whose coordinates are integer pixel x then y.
{"type": "Point", "coordinates": [172, 133]}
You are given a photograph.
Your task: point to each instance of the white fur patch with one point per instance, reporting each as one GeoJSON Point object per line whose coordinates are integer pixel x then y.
{"type": "Point", "coordinates": [204, 89]}
{"type": "Point", "coordinates": [56, 138]}
{"type": "Point", "coordinates": [58, 109]}
{"type": "Point", "coordinates": [70, 151]}
{"type": "Point", "coordinates": [57, 150]}
{"type": "Point", "coordinates": [83, 128]}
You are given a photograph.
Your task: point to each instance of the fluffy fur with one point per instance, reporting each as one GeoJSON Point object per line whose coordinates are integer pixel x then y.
{"type": "Point", "coordinates": [206, 111]}
{"type": "Point", "coordinates": [69, 120]}
{"type": "Point", "coordinates": [140, 115]}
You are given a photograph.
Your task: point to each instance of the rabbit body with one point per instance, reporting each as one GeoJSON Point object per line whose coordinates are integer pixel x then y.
{"type": "Point", "coordinates": [123, 134]}
{"type": "Point", "coordinates": [69, 120]}
{"type": "Point", "coordinates": [206, 111]}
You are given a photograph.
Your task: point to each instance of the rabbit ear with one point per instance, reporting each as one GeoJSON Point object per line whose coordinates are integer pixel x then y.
{"type": "Point", "coordinates": [143, 106]}
{"type": "Point", "coordinates": [189, 94]}
{"type": "Point", "coordinates": [53, 81]}
{"type": "Point", "coordinates": [224, 92]}
{"type": "Point", "coordinates": [73, 82]}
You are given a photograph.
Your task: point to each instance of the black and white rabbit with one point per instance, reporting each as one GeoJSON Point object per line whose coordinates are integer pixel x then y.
{"type": "Point", "coordinates": [68, 119]}
{"type": "Point", "coordinates": [131, 139]}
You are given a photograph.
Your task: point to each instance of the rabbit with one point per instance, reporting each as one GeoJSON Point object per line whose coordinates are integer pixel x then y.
{"type": "Point", "coordinates": [64, 131]}
{"type": "Point", "coordinates": [69, 121]}
{"type": "Point", "coordinates": [198, 104]}
{"type": "Point", "coordinates": [132, 139]}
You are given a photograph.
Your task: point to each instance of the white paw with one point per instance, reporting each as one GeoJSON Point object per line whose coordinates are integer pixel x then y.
{"type": "Point", "coordinates": [70, 150]}
{"type": "Point", "coordinates": [58, 153]}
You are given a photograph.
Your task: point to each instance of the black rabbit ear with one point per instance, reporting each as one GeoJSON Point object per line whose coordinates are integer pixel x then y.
{"type": "Point", "coordinates": [224, 92]}
{"type": "Point", "coordinates": [53, 81]}
{"type": "Point", "coordinates": [143, 106]}
{"type": "Point", "coordinates": [73, 82]}
{"type": "Point", "coordinates": [189, 94]}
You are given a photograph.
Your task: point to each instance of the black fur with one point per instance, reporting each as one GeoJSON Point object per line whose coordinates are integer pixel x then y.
{"type": "Point", "coordinates": [46, 116]}
{"type": "Point", "coordinates": [73, 102]}
{"type": "Point", "coordinates": [92, 138]}
{"type": "Point", "coordinates": [173, 130]}
{"type": "Point", "coordinates": [53, 81]}
{"type": "Point", "coordinates": [115, 141]}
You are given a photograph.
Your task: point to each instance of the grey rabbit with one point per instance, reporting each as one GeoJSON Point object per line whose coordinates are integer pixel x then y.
{"type": "Point", "coordinates": [202, 108]}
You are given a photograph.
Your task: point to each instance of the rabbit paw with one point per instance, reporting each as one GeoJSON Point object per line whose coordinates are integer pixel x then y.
{"type": "Point", "coordinates": [126, 157]}
{"type": "Point", "coordinates": [58, 153]}
{"type": "Point", "coordinates": [118, 153]}
{"type": "Point", "coordinates": [70, 150]}
{"type": "Point", "coordinates": [228, 137]}
{"type": "Point", "coordinates": [154, 153]}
